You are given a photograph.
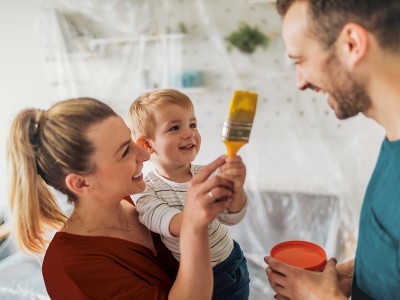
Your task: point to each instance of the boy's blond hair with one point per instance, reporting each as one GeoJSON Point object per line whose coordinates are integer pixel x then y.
{"type": "Point", "coordinates": [141, 112]}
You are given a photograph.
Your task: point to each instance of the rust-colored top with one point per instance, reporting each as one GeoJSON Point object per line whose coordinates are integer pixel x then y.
{"type": "Point", "coordinates": [87, 267]}
{"type": "Point", "coordinates": [300, 254]}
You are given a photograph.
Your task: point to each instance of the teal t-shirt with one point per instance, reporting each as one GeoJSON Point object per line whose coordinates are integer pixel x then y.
{"type": "Point", "coordinates": [377, 262]}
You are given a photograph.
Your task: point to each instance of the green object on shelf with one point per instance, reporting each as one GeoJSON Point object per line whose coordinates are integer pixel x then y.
{"type": "Point", "coordinates": [182, 27]}
{"type": "Point", "coordinates": [247, 38]}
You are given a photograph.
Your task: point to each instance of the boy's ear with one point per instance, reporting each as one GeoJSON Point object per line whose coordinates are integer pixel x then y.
{"type": "Point", "coordinates": [144, 143]}
{"type": "Point", "coordinates": [76, 184]}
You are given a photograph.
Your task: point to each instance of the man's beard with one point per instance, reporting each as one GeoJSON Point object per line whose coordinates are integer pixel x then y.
{"type": "Point", "coordinates": [351, 96]}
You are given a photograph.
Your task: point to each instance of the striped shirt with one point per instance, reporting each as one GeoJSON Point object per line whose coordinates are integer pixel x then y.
{"type": "Point", "coordinates": [163, 199]}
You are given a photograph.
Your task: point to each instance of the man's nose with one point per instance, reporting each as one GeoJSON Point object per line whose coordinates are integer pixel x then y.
{"type": "Point", "coordinates": [302, 84]}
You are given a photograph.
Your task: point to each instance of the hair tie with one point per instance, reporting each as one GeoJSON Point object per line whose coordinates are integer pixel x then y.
{"type": "Point", "coordinates": [38, 124]}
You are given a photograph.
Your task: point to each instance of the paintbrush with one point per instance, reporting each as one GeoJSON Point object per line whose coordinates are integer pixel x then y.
{"type": "Point", "coordinates": [237, 127]}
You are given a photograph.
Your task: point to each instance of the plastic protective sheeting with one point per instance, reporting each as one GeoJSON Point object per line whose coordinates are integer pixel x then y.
{"type": "Point", "coordinates": [306, 171]}
{"type": "Point", "coordinates": [20, 275]}
{"type": "Point", "coordinates": [91, 47]}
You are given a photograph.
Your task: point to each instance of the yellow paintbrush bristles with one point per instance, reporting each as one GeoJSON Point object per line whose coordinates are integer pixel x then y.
{"type": "Point", "coordinates": [237, 127]}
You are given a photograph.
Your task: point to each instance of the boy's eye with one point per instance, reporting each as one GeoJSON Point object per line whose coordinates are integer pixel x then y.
{"type": "Point", "coordinates": [126, 151]}
{"type": "Point", "coordinates": [174, 128]}
{"type": "Point", "coordinates": [193, 125]}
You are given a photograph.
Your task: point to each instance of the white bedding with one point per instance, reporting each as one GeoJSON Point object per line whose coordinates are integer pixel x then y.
{"type": "Point", "coordinates": [20, 275]}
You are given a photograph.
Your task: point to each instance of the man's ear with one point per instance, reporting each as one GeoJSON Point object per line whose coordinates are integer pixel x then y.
{"type": "Point", "coordinates": [76, 184]}
{"type": "Point", "coordinates": [354, 43]}
{"type": "Point", "coordinates": [145, 144]}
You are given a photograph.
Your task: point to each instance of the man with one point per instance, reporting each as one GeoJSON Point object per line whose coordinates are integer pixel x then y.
{"type": "Point", "coordinates": [349, 50]}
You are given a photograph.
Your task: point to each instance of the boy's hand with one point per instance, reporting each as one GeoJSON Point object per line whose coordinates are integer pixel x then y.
{"type": "Point", "coordinates": [235, 171]}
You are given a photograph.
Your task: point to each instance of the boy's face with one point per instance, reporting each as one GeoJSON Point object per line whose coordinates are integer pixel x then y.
{"type": "Point", "coordinates": [176, 140]}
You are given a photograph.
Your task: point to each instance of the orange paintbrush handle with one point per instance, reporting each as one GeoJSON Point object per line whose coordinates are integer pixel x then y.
{"type": "Point", "coordinates": [233, 146]}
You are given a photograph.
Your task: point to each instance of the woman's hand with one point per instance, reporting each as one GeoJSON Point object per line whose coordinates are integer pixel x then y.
{"type": "Point", "coordinates": [195, 278]}
{"type": "Point", "coordinates": [201, 206]}
{"type": "Point", "coordinates": [295, 283]}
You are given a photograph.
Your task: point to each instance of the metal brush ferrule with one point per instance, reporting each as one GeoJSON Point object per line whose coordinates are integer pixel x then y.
{"type": "Point", "coordinates": [236, 131]}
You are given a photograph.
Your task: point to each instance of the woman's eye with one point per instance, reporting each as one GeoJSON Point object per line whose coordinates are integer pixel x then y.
{"type": "Point", "coordinates": [193, 125]}
{"type": "Point", "coordinates": [126, 151]}
{"type": "Point", "coordinates": [174, 128]}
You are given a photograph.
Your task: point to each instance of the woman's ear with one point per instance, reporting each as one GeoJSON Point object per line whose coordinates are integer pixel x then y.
{"type": "Point", "coordinates": [76, 184]}
{"type": "Point", "coordinates": [144, 143]}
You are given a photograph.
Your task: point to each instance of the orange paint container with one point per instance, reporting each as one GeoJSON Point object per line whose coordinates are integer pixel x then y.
{"type": "Point", "coordinates": [301, 254]}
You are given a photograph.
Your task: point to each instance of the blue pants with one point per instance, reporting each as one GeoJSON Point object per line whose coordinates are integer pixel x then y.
{"type": "Point", "coordinates": [231, 277]}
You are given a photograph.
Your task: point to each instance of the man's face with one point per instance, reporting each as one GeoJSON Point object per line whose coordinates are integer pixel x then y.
{"type": "Point", "coordinates": [319, 69]}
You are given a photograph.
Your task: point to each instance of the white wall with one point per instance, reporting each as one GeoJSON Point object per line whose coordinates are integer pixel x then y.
{"type": "Point", "coordinates": [22, 81]}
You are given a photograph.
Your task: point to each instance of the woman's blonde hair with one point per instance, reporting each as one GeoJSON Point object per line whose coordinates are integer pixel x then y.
{"type": "Point", "coordinates": [43, 148]}
{"type": "Point", "coordinates": [141, 112]}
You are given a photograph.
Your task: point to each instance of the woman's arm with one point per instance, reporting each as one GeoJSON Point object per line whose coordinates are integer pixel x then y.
{"type": "Point", "coordinates": [195, 279]}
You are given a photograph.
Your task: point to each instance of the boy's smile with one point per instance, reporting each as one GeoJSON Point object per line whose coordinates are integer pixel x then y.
{"type": "Point", "coordinates": [188, 148]}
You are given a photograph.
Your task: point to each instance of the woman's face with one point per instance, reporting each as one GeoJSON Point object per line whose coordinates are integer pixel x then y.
{"type": "Point", "coordinates": [118, 160]}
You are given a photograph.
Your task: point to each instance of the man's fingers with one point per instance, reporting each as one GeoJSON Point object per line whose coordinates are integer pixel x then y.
{"type": "Point", "coordinates": [331, 266]}
{"type": "Point", "coordinates": [280, 297]}
{"type": "Point", "coordinates": [275, 278]}
{"type": "Point", "coordinates": [276, 265]}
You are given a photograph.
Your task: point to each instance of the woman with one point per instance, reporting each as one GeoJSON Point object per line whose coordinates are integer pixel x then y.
{"type": "Point", "coordinates": [83, 149]}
